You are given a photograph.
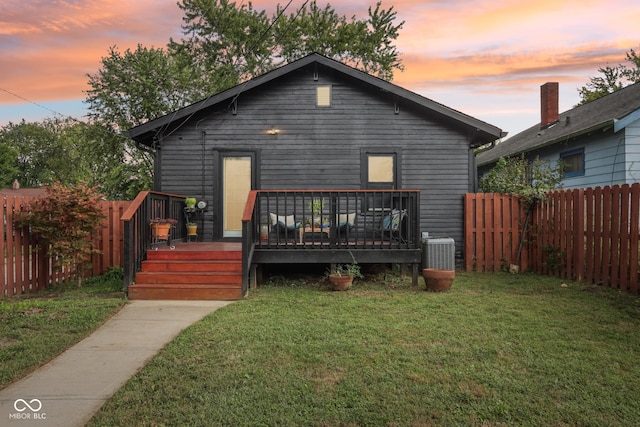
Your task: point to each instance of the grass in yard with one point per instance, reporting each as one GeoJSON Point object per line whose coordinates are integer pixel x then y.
{"type": "Point", "coordinates": [37, 327]}
{"type": "Point", "coordinates": [497, 349]}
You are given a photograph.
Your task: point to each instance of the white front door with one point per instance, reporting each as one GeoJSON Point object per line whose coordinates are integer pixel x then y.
{"type": "Point", "coordinates": [236, 179]}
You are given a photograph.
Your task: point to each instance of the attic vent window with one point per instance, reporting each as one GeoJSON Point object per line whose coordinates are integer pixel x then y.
{"type": "Point", "coordinates": [323, 96]}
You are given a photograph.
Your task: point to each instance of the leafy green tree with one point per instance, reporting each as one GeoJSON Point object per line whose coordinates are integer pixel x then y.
{"type": "Point", "coordinates": [364, 44]}
{"type": "Point", "coordinates": [43, 153]}
{"type": "Point", "coordinates": [69, 152]}
{"type": "Point", "coordinates": [8, 168]}
{"type": "Point", "coordinates": [611, 79]}
{"type": "Point", "coordinates": [136, 85]}
{"type": "Point", "coordinates": [66, 219]}
{"type": "Point", "coordinates": [529, 179]}
{"type": "Point", "coordinates": [225, 44]}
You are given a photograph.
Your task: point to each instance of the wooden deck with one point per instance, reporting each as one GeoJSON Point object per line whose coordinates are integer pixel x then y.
{"type": "Point", "coordinates": [369, 226]}
{"type": "Point", "coordinates": [190, 271]}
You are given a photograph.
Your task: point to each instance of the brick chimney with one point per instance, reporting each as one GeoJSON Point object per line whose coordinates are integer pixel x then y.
{"type": "Point", "coordinates": [548, 104]}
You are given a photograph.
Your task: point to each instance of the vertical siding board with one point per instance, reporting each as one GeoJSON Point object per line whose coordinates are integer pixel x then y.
{"type": "Point", "coordinates": [589, 231]}
{"type": "Point", "coordinates": [543, 234]}
{"type": "Point", "coordinates": [43, 264]}
{"type": "Point", "coordinates": [570, 234]}
{"type": "Point", "coordinates": [507, 240]}
{"type": "Point", "coordinates": [548, 234]}
{"type": "Point", "coordinates": [634, 238]}
{"type": "Point", "coordinates": [558, 235]}
{"type": "Point", "coordinates": [10, 253]}
{"type": "Point", "coordinates": [514, 225]}
{"type": "Point", "coordinates": [4, 283]}
{"type": "Point", "coordinates": [8, 289]}
{"type": "Point", "coordinates": [566, 225]}
{"type": "Point", "coordinates": [615, 237]}
{"type": "Point", "coordinates": [481, 232]}
{"type": "Point", "coordinates": [526, 236]}
{"type": "Point", "coordinates": [579, 233]}
{"type": "Point", "coordinates": [25, 260]}
{"type": "Point", "coordinates": [118, 234]}
{"type": "Point", "coordinates": [623, 258]}
{"type": "Point", "coordinates": [538, 226]}
{"type": "Point", "coordinates": [598, 236]}
{"type": "Point", "coordinates": [534, 236]}
{"type": "Point", "coordinates": [498, 232]}
{"type": "Point", "coordinates": [606, 236]}
{"type": "Point", "coordinates": [18, 254]}
{"type": "Point", "coordinates": [470, 230]}
{"type": "Point", "coordinates": [487, 222]}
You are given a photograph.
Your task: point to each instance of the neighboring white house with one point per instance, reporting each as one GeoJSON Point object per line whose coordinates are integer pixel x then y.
{"type": "Point", "coordinates": [598, 141]}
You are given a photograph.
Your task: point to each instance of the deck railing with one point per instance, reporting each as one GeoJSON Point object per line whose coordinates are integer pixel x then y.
{"type": "Point", "coordinates": [347, 220]}
{"type": "Point", "coordinates": [137, 231]}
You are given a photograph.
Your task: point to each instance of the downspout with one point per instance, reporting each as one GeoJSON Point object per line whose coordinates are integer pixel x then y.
{"type": "Point", "coordinates": [204, 134]}
{"type": "Point", "coordinates": [480, 151]}
{"type": "Point", "coordinates": [473, 152]}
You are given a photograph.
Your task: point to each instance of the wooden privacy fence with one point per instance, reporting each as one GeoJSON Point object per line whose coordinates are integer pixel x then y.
{"type": "Point", "coordinates": [27, 268]}
{"type": "Point", "coordinates": [584, 234]}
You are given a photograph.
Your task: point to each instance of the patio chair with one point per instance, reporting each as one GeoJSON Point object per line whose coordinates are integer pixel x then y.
{"type": "Point", "coordinates": [391, 226]}
{"type": "Point", "coordinates": [344, 223]}
{"type": "Point", "coordinates": [285, 225]}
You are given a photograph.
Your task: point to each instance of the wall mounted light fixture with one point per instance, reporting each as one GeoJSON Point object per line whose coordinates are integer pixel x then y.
{"type": "Point", "coordinates": [273, 131]}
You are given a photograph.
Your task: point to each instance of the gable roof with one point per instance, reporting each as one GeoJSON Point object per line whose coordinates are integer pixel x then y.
{"type": "Point", "coordinates": [481, 132]}
{"type": "Point", "coordinates": [617, 110]}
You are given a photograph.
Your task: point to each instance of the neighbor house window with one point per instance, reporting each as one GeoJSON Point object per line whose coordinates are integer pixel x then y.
{"type": "Point", "coordinates": [323, 96]}
{"type": "Point", "coordinates": [573, 162]}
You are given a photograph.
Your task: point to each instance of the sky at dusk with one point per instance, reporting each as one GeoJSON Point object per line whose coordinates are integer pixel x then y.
{"type": "Point", "coordinates": [486, 58]}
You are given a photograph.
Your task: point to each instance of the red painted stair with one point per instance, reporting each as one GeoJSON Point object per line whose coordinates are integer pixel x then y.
{"type": "Point", "coordinates": [191, 271]}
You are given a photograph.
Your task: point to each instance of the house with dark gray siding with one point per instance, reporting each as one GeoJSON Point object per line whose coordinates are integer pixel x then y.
{"type": "Point", "coordinates": [317, 129]}
{"type": "Point", "coordinates": [599, 142]}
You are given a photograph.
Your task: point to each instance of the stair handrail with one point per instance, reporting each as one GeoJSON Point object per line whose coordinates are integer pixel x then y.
{"type": "Point", "coordinates": [248, 238]}
{"type": "Point", "coordinates": [137, 234]}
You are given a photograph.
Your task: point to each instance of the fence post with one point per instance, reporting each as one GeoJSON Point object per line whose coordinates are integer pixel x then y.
{"type": "Point", "coordinates": [578, 234]}
{"type": "Point", "coordinates": [634, 238]}
{"type": "Point", "coordinates": [469, 230]}
{"type": "Point", "coordinates": [128, 267]}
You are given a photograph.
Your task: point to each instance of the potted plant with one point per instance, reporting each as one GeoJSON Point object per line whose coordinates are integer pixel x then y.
{"type": "Point", "coordinates": [160, 227]}
{"type": "Point", "coordinates": [316, 206]}
{"type": "Point", "coordinates": [438, 280]}
{"type": "Point", "coordinates": [190, 202]}
{"type": "Point", "coordinates": [341, 275]}
{"type": "Point", "coordinates": [192, 229]}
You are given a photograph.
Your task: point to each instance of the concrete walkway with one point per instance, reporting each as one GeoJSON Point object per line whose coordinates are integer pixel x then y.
{"type": "Point", "coordinates": [70, 389]}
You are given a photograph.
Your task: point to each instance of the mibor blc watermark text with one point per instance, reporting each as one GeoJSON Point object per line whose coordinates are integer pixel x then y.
{"type": "Point", "coordinates": [28, 410]}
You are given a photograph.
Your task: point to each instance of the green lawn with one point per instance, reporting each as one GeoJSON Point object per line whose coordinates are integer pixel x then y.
{"type": "Point", "coordinates": [497, 349]}
{"type": "Point", "coordinates": [36, 328]}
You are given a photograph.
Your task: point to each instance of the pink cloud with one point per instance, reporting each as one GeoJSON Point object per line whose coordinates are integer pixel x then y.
{"type": "Point", "coordinates": [51, 46]}
{"type": "Point", "coordinates": [458, 47]}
